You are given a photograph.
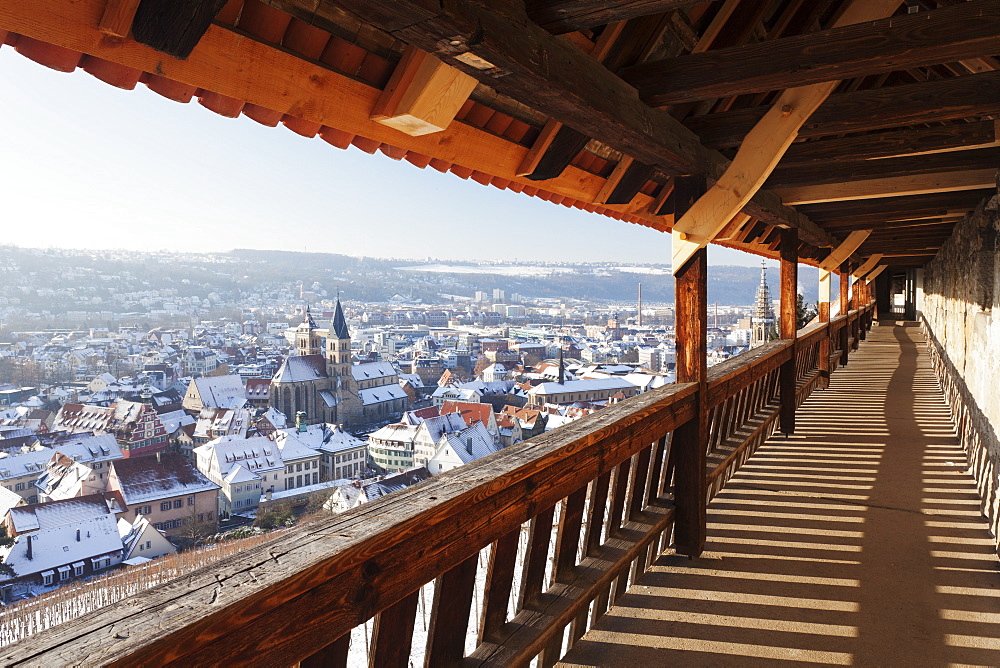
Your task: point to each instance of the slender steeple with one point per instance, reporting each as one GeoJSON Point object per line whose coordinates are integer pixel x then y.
{"type": "Point", "coordinates": [307, 339]}
{"type": "Point", "coordinates": [338, 326]}
{"type": "Point", "coordinates": [562, 366]}
{"type": "Point", "coordinates": [763, 313]}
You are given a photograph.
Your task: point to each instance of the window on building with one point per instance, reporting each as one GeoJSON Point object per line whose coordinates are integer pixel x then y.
{"type": "Point", "coordinates": [298, 467]}
{"type": "Point", "coordinates": [47, 578]}
{"type": "Point", "coordinates": [78, 569]}
{"type": "Point", "coordinates": [147, 510]}
{"type": "Point", "coordinates": [64, 574]}
{"type": "Point", "coordinates": [208, 515]}
{"type": "Point", "coordinates": [315, 478]}
{"type": "Point", "coordinates": [178, 503]}
{"type": "Point", "coordinates": [165, 505]}
{"type": "Point", "coordinates": [19, 487]}
{"type": "Point", "coordinates": [191, 500]}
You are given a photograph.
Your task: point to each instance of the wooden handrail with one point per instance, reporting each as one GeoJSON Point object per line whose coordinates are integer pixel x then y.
{"type": "Point", "coordinates": [603, 482]}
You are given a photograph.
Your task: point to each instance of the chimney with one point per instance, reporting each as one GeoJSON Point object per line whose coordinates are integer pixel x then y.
{"type": "Point", "coordinates": [28, 538]}
{"type": "Point", "coordinates": [468, 444]}
{"type": "Point", "coordinates": [78, 535]}
{"type": "Point", "coordinates": [562, 365]}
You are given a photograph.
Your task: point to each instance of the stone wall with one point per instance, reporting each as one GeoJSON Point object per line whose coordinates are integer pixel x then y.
{"type": "Point", "coordinates": [961, 312]}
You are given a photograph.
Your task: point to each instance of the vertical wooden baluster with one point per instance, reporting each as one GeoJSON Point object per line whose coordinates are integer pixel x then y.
{"type": "Point", "coordinates": [598, 507]}
{"type": "Point", "coordinates": [393, 634]}
{"type": "Point", "coordinates": [536, 558]}
{"type": "Point", "coordinates": [450, 614]}
{"type": "Point", "coordinates": [671, 466]}
{"type": "Point", "coordinates": [618, 497]}
{"type": "Point", "coordinates": [656, 471]}
{"type": "Point", "coordinates": [639, 482]}
{"type": "Point", "coordinates": [499, 582]}
{"type": "Point", "coordinates": [788, 324]}
{"type": "Point", "coordinates": [568, 539]}
{"type": "Point", "coordinates": [333, 655]}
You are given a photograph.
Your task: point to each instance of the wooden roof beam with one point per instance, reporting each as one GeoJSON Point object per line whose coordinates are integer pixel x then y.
{"type": "Point", "coordinates": [894, 186]}
{"type": "Point", "coordinates": [867, 265]}
{"type": "Point", "coordinates": [839, 254]}
{"type": "Point", "coordinates": [896, 143]}
{"type": "Point", "coordinates": [423, 95]}
{"type": "Point", "coordinates": [875, 272]}
{"type": "Point", "coordinates": [892, 208]}
{"type": "Point", "coordinates": [888, 45]}
{"type": "Point", "coordinates": [976, 95]}
{"type": "Point", "coordinates": [174, 26]}
{"type": "Point", "coordinates": [759, 153]}
{"type": "Point", "coordinates": [497, 44]}
{"type": "Point", "coordinates": [562, 16]}
{"type": "Point", "coordinates": [953, 161]}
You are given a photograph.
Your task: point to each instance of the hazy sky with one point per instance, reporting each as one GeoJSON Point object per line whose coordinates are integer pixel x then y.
{"type": "Point", "coordinates": [86, 165]}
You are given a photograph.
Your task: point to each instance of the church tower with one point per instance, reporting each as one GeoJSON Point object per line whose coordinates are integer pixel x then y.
{"type": "Point", "coordinates": [338, 345]}
{"type": "Point", "coordinates": [764, 329]}
{"type": "Point", "coordinates": [307, 338]}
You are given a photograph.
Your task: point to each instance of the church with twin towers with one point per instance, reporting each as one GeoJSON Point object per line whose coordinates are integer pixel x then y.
{"type": "Point", "coordinates": [322, 382]}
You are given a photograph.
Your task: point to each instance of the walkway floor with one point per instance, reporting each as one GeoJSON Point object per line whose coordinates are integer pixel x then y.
{"type": "Point", "coordinates": [856, 542]}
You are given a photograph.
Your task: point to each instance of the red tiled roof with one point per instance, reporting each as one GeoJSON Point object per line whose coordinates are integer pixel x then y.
{"type": "Point", "coordinates": [470, 412]}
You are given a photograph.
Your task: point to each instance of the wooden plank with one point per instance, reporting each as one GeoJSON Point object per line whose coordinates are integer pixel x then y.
{"type": "Point", "coordinates": [616, 510]}
{"type": "Point", "coordinates": [885, 209]}
{"type": "Point", "coordinates": [174, 26]}
{"type": "Point", "coordinates": [568, 538]}
{"type": "Point", "coordinates": [117, 17]}
{"type": "Point", "coordinates": [562, 16]}
{"type": "Point", "coordinates": [894, 143]}
{"type": "Point", "coordinates": [973, 96]}
{"type": "Point", "coordinates": [859, 170]}
{"type": "Point", "coordinates": [598, 508]}
{"type": "Point", "coordinates": [538, 149]}
{"type": "Point", "coordinates": [893, 186]}
{"type": "Point", "coordinates": [499, 583]}
{"type": "Point", "coordinates": [613, 179]}
{"type": "Point", "coordinates": [565, 145]}
{"type": "Point", "coordinates": [845, 298]}
{"type": "Point", "coordinates": [887, 45]}
{"type": "Point", "coordinates": [788, 325]}
{"type": "Point", "coordinates": [333, 655]}
{"type": "Point", "coordinates": [423, 95]}
{"type": "Point", "coordinates": [536, 559]}
{"type": "Point", "coordinates": [867, 265]}
{"type": "Point", "coordinates": [634, 178]}
{"type": "Point", "coordinates": [450, 614]}
{"type": "Point", "coordinates": [758, 155]}
{"type": "Point", "coordinates": [533, 629]}
{"type": "Point", "coordinates": [844, 250]}
{"type": "Point", "coordinates": [874, 273]}
{"type": "Point", "coordinates": [733, 227]}
{"type": "Point", "coordinates": [393, 634]}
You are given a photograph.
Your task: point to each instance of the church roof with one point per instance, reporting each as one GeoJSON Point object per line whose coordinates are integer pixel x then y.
{"type": "Point", "coordinates": [307, 320]}
{"type": "Point", "coordinates": [299, 368]}
{"type": "Point", "coordinates": [338, 326]}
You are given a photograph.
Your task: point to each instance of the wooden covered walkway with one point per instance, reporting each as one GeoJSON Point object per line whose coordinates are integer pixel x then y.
{"type": "Point", "coordinates": [858, 541]}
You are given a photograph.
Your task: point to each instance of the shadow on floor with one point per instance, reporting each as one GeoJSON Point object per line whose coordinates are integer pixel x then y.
{"type": "Point", "coordinates": [858, 541]}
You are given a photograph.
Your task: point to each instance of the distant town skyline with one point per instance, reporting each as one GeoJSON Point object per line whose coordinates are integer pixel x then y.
{"type": "Point", "coordinates": [85, 165]}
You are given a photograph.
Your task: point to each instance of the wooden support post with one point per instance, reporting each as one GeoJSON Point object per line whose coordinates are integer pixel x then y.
{"type": "Point", "coordinates": [823, 309]}
{"type": "Point", "coordinates": [845, 331]}
{"type": "Point", "coordinates": [789, 324]}
{"type": "Point", "coordinates": [691, 326]}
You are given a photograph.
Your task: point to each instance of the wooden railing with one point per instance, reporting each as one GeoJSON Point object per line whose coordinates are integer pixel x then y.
{"type": "Point", "coordinates": [529, 545]}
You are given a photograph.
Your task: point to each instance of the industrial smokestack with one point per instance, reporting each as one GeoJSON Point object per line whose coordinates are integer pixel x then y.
{"type": "Point", "coordinates": [639, 318]}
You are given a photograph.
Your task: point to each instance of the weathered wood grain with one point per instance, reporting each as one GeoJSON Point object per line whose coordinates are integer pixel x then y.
{"type": "Point", "coordinates": [562, 16]}
{"type": "Point", "coordinates": [944, 35]}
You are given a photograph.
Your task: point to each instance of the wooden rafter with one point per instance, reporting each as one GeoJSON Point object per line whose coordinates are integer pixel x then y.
{"type": "Point", "coordinates": [562, 16]}
{"type": "Point", "coordinates": [895, 143]}
{"type": "Point", "coordinates": [875, 272]}
{"type": "Point", "coordinates": [888, 45]}
{"type": "Point", "coordinates": [867, 265]}
{"type": "Point", "coordinates": [118, 16]}
{"type": "Point", "coordinates": [894, 186]}
{"type": "Point", "coordinates": [759, 153]}
{"type": "Point", "coordinates": [839, 254]}
{"type": "Point", "coordinates": [975, 95]}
